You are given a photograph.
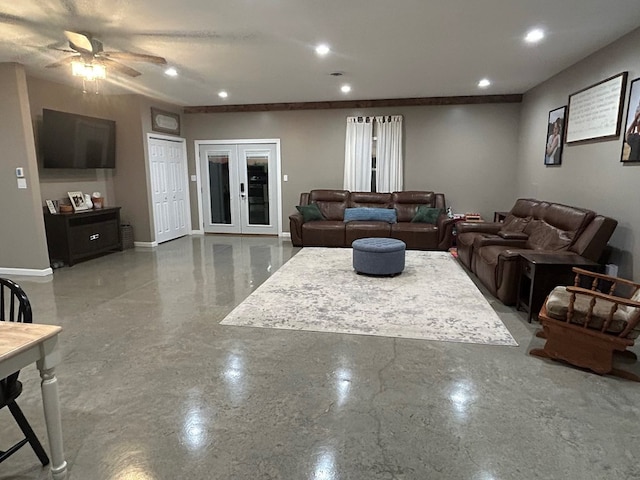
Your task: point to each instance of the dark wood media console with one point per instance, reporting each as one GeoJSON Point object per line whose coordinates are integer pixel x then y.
{"type": "Point", "coordinates": [72, 237]}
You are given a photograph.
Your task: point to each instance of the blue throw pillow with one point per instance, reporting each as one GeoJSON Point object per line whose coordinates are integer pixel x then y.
{"type": "Point", "coordinates": [370, 214]}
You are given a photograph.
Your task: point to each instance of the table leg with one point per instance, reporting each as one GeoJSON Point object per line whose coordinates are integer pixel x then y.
{"type": "Point", "coordinates": [51, 403]}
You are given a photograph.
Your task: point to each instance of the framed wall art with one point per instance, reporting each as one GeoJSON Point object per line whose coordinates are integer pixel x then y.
{"type": "Point", "coordinates": [631, 137]}
{"type": "Point", "coordinates": [595, 112]}
{"type": "Point", "coordinates": [555, 135]}
{"type": "Point", "coordinates": [165, 122]}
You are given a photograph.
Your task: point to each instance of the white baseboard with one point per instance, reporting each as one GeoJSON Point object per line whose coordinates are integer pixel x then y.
{"type": "Point", "coordinates": [26, 272]}
{"type": "Point", "coordinates": [197, 232]}
{"type": "Point", "coordinates": [285, 235]}
{"type": "Point", "coordinates": [145, 244]}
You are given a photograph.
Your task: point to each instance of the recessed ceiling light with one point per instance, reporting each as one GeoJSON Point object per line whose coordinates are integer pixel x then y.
{"type": "Point", "coordinates": [322, 49]}
{"type": "Point", "coordinates": [534, 36]}
{"type": "Point", "coordinates": [172, 72]}
{"type": "Point", "coordinates": [223, 94]}
{"type": "Point", "coordinates": [345, 88]}
{"type": "Point", "coordinates": [484, 83]}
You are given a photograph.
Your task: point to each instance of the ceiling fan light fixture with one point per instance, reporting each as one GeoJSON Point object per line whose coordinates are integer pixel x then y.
{"type": "Point", "coordinates": [88, 71]}
{"type": "Point", "coordinates": [171, 72]}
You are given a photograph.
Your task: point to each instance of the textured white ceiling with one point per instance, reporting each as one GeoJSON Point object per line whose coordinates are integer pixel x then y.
{"type": "Point", "coordinates": [262, 51]}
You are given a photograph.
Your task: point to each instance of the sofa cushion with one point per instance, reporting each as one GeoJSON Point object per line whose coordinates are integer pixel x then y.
{"type": "Point", "coordinates": [369, 199]}
{"type": "Point", "coordinates": [332, 210]}
{"type": "Point", "coordinates": [543, 236]}
{"type": "Point", "coordinates": [407, 203]}
{"type": "Point", "coordinates": [426, 215]}
{"type": "Point", "coordinates": [323, 233]}
{"type": "Point", "coordinates": [310, 212]}
{"type": "Point", "coordinates": [515, 224]}
{"type": "Point", "coordinates": [370, 214]}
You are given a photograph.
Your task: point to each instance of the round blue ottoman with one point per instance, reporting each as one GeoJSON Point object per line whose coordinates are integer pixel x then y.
{"type": "Point", "coordinates": [378, 256]}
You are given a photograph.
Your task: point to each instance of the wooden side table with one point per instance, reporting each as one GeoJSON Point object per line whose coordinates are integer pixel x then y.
{"type": "Point", "coordinates": [541, 272]}
{"type": "Point", "coordinates": [499, 217]}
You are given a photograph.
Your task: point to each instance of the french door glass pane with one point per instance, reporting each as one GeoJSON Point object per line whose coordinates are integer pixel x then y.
{"type": "Point", "coordinates": [258, 194]}
{"type": "Point", "coordinates": [219, 192]}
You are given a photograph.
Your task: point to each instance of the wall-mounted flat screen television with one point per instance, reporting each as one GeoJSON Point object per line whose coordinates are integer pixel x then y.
{"type": "Point", "coordinates": [76, 141]}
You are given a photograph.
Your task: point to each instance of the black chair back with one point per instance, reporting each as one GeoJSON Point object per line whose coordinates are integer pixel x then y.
{"type": "Point", "coordinates": [14, 307]}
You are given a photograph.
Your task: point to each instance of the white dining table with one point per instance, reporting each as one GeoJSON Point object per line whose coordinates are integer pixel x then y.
{"type": "Point", "coordinates": [22, 344]}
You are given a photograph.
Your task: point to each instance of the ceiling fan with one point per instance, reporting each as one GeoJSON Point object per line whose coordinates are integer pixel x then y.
{"type": "Point", "coordinates": [89, 57]}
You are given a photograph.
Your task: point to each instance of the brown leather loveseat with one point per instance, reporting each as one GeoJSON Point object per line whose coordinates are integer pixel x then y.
{"type": "Point", "coordinates": [332, 231]}
{"type": "Point", "coordinates": [492, 250]}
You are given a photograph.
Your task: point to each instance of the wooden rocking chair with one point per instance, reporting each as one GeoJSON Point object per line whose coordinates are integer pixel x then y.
{"type": "Point", "coordinates": [585, 327]}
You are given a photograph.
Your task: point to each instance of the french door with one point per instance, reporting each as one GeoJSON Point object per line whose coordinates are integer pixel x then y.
{"type": "Point", "coordinates": [239, 188]}
{"type": "Point", "coordinates": [168, 170]}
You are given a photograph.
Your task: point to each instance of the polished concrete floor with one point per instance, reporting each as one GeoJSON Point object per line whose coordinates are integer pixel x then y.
{"type": "Point", "coordinates": [152, 387]}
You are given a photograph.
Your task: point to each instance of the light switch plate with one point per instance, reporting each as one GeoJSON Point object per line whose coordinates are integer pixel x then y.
{"type": "Point", "coordinates": [22, 183]}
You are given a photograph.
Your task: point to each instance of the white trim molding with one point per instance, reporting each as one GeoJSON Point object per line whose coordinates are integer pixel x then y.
{"type": "Point", "coordinates": [145, 244]}
{"type": "Point", "coordinates": [27, 272]}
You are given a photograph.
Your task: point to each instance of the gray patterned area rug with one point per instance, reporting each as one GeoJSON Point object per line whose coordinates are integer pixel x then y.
{"type": "Point", "coordinates": [318, 290]}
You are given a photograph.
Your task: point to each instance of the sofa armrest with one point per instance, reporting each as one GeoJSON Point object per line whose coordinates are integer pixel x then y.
{"type": "Point", "coordinates": [295, 229]}
{"type": "Point", "coordinates": [480, 227]}
{"type": "Point", "coordinates": [445, 231]}
{"type": "Point", "coordinates": [513, 235]}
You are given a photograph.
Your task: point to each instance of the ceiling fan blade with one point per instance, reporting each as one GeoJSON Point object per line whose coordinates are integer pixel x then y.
{"type": "Point", "coordinates": [119, 67]}
{"type": "Point", "coordinates": [79, 40]}
{"type": "Point", "coordinates": [65, 61]}
{"type": "Point", "coordinates": [135, 57]}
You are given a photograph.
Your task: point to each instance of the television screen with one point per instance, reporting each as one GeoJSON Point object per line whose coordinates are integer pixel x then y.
{"type": "Point", "coordinates": [76, 141]}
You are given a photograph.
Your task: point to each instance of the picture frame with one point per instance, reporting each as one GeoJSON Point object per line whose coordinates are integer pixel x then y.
{"type": "Point", "coordinates": [165, 122]}
{"type": "Point", "coordinates": [51, 206]}
{"type": "Point", "coordinates": [631, 133]}
{"type": "Point", "coordinates": [77, 201]}
{"type": "Point", "coordinates": [595, 112]}
{"type": "Point", "coordinates": [555, 136]}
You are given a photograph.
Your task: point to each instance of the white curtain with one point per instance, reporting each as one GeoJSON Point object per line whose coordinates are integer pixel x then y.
{"type": "Point", "coordinates": [357, 154]}
{"type": "Point", "coordinates": [389, 162]}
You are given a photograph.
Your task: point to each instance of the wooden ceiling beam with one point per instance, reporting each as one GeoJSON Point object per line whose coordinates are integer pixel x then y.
{"type": "Point", "coordinates": [389, 102]}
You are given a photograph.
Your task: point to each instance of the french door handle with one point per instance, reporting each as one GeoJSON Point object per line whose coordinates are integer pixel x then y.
{"type": "Point", "coordinates": [242, 190]}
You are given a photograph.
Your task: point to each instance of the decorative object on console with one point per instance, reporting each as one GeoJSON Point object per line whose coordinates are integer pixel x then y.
{"type": "Point", "coordinates": [631, 134]}
{"type": "Point", "coordinates": [51, 206]}
{"type": "Point", "coordinates": [77, 201]}
{"type": "Point", "coordinates": [98, 201]}
{"type": "Point", "coordinates": [87, 200]}
{"type": "Point", "coordinates": [472, 217]}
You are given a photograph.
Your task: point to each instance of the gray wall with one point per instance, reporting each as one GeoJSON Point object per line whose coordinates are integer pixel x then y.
{"type": "Point", "coordinates": [22, 238]}
{"type": "Point", "coordinates": [468, 152]}
{"type": "Point", "coordinates": [591, 175]}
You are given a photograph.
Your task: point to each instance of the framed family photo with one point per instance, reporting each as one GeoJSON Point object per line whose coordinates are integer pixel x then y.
{"type": "Point", "coordinates": [555, 132]}
{"type": "Point", "coordinates": [77, 201]}
{"type": "Point", "coordinates": [631, 136]}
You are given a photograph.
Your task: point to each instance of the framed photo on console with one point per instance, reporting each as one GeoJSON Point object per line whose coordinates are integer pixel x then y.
{"type": "Point", "coordinates": [77, 201]}
{"type": "Point", "coordinates": [555, 132]}
{"type": "Point", "coordinates": [51, 206]}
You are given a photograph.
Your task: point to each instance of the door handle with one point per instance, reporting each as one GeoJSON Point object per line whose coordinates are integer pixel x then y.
{"type": "Point", "coordinates": [242, 190]}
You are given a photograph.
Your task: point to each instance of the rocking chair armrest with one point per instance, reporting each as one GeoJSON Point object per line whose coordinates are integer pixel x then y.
{"type": "Point", "coordinates": [611, 298]}
{"type": "Point", "coordinates": [602, 276]}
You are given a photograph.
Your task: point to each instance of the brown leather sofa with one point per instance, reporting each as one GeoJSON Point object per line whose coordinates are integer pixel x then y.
{"type": "Point", "coordinates": [334, 232]}
{"type": "Point", "coordinates": [492, 250]}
